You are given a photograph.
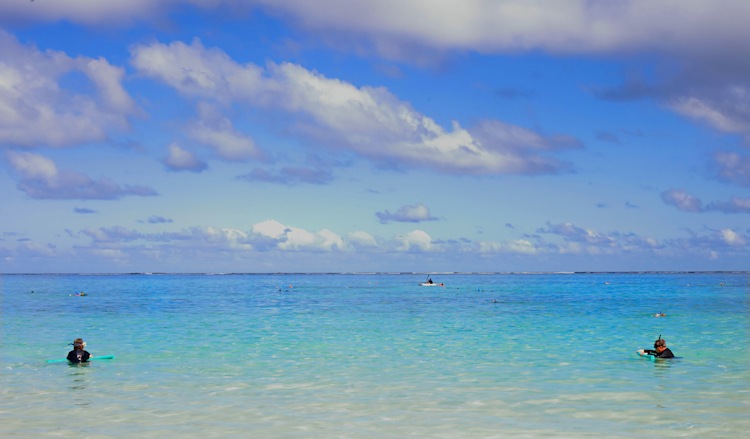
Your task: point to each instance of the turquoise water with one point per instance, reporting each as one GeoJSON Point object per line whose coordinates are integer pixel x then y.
{"type": "Point", "coordinates": [375, 356]}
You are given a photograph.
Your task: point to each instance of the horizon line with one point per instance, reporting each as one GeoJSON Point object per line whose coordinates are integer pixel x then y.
{"type": "Point", "coordinates": [391, 273]}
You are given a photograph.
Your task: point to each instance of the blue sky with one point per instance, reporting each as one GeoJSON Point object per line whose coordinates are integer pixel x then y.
{"type": "Point", "coordinates": [358, 136]}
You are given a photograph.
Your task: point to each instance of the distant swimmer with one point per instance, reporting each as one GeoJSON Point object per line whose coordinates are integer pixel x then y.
{"type": "Point", "coordinates": [660, 350]}
{"type": "Point", "coordinates": [78, 354]}
{"type": "Point", "coordinates": [660, 314]}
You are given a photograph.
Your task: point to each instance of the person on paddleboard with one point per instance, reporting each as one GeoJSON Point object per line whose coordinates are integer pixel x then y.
{"type": "Point", "coordinates": [660, 350]}
{"type": "Point", "coordinates": [78, 354]}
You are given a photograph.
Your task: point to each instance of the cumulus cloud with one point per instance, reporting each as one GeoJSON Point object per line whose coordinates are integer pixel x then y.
{"type": "Point", "coordinates": [682, 200]}
{"type": "Point", "coordinates": [487, 26]}
{"type": "Point", "coordinates": [294, 238]}
{"type": "Point", "coordinates": [217, 132]}
{"type": "Point", "coordinates": [707, 82]}
{"type": "Point", "coordinates": [289, 175]}
{"type": "Point", "coordinates": [197, 71]}
{"type": "Point", "coordinates": [411, 213]}
{"type": "Point", "coordinates": [360, 239]}
{"type": "Point", "coordinates": [84, 12]}
{"type": "Point", "coordinates": [733, 168]}
{"type": "Point", "coordinates": [725, 113]}
{"type": "Point", "coordinates": [698, 90]}
{"type": "Point", "coordinates": [733, 239]}
{"type": "Point", "coordinates": [571, 239]}
{"type": "Point", "coordinates": [400, 29]}
{"type": "Point", "coordinates": [734, 205]}
{"type": "Point", "coordinates": [518, 246]}
{"type": "Point", "coordinates": [416, 240]}
{"type": "Point", "coordinates": [690, 203]}
{"type": "Point", "coordinates": [699, 77]}
{"type": "Point", "coordinates": [709, 87]}
{"type": "Point", "coordinates": [40, 178]}
{"type": "Point", "coordinates": [265, 236]}
{"type": "Point", "coordinates": [573, 233]}
{"type": "Point", "coordinates": [112, 234]}
{"type": "Point", "coordinates": [36, 110]}
{"type": "Point", "coordinates": [179, 159]}
{"type": "Point", "coordinates": [368, 121]}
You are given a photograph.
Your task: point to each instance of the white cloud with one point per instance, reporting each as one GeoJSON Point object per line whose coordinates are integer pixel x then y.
{"type": "Point", "coordinates": [116, 234]}
{"type": "Point", "coordinates": [295, 238]}
{"type": "Point", "coordinates": [108, 80]}
{"type": "Point", "coordinates": [518, 246]}
{"type": "Point", "coordinates": [732, 238]}
{"type": "Point", "coordinates": [368, 121]}
{"type": "Point", "coordinates": [682, 200]}
{"type": "Point", "coordinates": [86, 12]}
{"type": "Point", "coordinates": [289, 175]}
{"type": "Point", "coordinates": [179, 159]}
{"type": "Point", "coordinates": [491, 26]}
{"type": "Point", "coordinates": [35, 110]}
{"type": "Point", "coordinates": [40, 178]}
{"type": "Point", "coordinates": [196, 71]}
{"type": "Point", "coordinates": [487, 26]}
{"type": "Point", "coordinates": [411, 213]}
{"type": "Point", "coordinates": [690, 203]}
{"type": "Point", "coordinates": [216, 131]}
{"type": "Point", "coordinates": [329, 241]}
{"type": "Point", "coordinates": [733, 168]}
{"type": "Point", "coordinates": [33, 166]}
{"type": "Point", "coordinates": [417, 240]}
{"type": "Point", "coordinates": [522, 246]}
{"type": "Point", "coordinates": [734, 205]}
{"type": "Point", "coordinates": [718, 117]}
{"type": "Point", "coordinates": [701, 36]}
{"type": "Point", "coordinates": [270, 228]}
{"type": "Point", "coordinates": [581, 235]}
{"type": "Point", "coordinates": [360, 239]}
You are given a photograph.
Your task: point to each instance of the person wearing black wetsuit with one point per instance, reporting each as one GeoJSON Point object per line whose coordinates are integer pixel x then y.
{"type": "Point", "coordinates": [660, 350]}
{"type": "Point", "coordinates": [78, 354]}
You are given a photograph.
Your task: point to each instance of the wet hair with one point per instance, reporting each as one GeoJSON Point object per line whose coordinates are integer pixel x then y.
{"type": "Point", "coordinates": [79, 342]}
{"type": "Point", "coordinates": [660, 342]}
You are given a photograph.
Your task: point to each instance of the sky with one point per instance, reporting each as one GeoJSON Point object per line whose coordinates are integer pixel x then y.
{"type": "Point", "coordinates": [261, 136]}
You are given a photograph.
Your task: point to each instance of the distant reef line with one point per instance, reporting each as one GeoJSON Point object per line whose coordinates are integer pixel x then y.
{"type": "Point", "coordinates": [384, 273]}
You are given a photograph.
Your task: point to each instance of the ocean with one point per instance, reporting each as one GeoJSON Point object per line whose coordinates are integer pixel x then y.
{"type": "Point", "coordinates": [375, 355]}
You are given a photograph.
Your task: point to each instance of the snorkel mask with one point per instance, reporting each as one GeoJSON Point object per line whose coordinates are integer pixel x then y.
{"type": "Point", "coordinates": [659, 342]}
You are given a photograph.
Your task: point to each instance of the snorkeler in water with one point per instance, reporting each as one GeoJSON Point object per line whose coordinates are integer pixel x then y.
{"type": "Point", "coordinates": [660, 350]}
{"type": "Point", "coordinates": [78, 354]}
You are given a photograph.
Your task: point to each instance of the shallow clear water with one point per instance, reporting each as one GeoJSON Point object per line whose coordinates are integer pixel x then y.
{"type": "Point", "coordinates": [373, 356]}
